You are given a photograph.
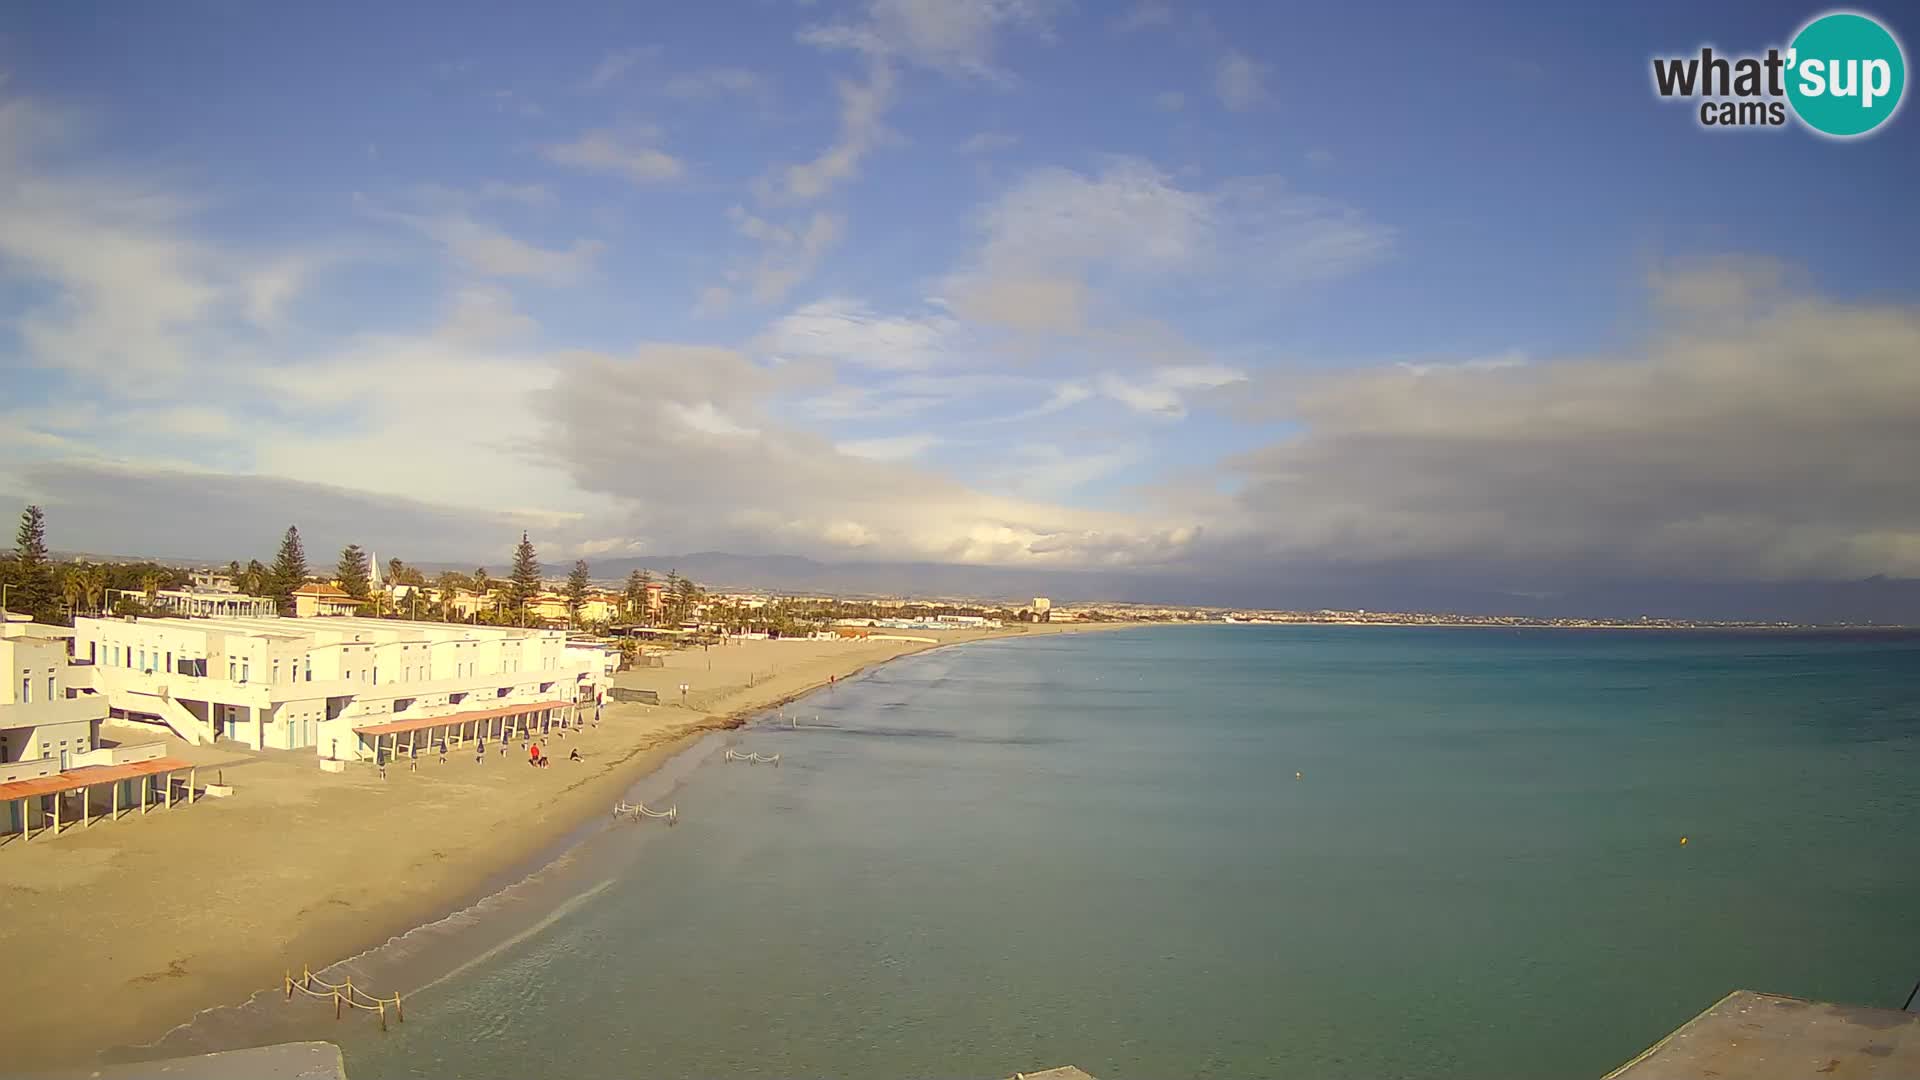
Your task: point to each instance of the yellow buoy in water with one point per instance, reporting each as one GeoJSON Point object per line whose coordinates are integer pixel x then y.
{"type": "Point", "coordinates": [1683, 841]}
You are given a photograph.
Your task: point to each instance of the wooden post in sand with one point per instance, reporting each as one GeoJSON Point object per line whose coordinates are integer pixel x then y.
{"type": "Point", "coordinates": [397, 1010]}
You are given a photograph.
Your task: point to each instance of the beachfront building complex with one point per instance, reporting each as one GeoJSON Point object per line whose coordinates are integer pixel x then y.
{"type": "Point", "coordinates": [49, 714]}
{"type": "Point", "coordinates": [293, 683]}
{"type": "Point", "coordinates": [55, 771]}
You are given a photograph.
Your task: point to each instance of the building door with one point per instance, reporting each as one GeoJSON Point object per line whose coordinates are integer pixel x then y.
{"type": "Point", "coordinates": [63, 759]}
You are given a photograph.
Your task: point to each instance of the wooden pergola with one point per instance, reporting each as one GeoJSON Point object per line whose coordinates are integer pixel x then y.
{"type": "Point", "coordinates": [19, 794]}
{"type": "Point", "coordinates": [449, 732]}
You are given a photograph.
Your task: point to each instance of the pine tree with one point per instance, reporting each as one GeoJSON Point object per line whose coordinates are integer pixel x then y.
{"type": "Point", "coordinates": [29, 574]}
{"type": "Point", "coordinates": [577, 583]}
{"type": "Point", "coordinates": [354, 572]}
{"type": "Point", "coordinates": [396, 572]}
{"type": "Point", "coordinates": [524, 582]}
{"type": "Point", "coordinates": [689, 598]}
{"type": "Point", "coordinates": [289, 567]}
{"type": "Point", "coordinates": [636, 594]}
{"type": "Point", "coordinates": [670, 599]}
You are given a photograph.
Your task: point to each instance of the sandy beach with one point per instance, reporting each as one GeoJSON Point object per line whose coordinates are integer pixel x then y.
{"type": "Point", "coordinates": [118, 932]}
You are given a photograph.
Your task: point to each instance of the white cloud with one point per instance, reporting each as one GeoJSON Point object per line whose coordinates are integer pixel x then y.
{"type": "Point", "coordinates": [1758, 433]}
{"type": "Point", "coordinates": [1045, 471]}
{"type": "Point", "coordinates": [788, 254]}
{"type": "Point", "coordinates": [615, 65]}
{"type": "Point", "coordinates": [1169, 101]}
{"type": "Point", "coordinates": [986, 142]}
{"type": "Point", "coordinates": [957, 37]}
{"type": "Point", "coordinates": [848, 331]}
{"type": "Point", "coordinates": [862, 109]}
{"type": "Point", "coordinates": [604, 151]}
{"type": "Point", "coordinates": [1145, 14]}
{"type": "Point", "coordinates": [711, 82]}
{"type": "Point", "coordinates": [763, 486]}
{"type": "Point", "coordinates": [490, 250]}
{"type": "Point", "coordinates": [485, 314]}
{"type": "Point", "coordinates": [1162, 392]}
{"type": "Point", "coordinates": [122, 283]}
{"type": "Point", "coordinates": [1058, 239]}
{"type": "Point", "coordinates": [1240, 82]}
{"type": "Point", "coordinates": [890, 448]}
{"type": "Point", "coordinates": [1130, 215]}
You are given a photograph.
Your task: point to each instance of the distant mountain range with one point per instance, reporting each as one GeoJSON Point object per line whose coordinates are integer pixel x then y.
{"type": "Point", "coordinates": [1875, 600]}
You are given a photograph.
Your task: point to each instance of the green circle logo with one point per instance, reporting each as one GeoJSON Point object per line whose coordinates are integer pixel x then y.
{"type": "Point", "coordinates": [1845, 74]}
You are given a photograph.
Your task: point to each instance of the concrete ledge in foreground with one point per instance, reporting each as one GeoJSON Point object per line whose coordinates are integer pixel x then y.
{"type": "Point", "coordinates": [1752, 1036]}
{"type": "Point", "coordinates": [287, 1061]}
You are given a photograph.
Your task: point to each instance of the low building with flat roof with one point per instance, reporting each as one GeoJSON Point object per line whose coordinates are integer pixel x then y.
{"type": "Point", "coordinates": [293, 684]}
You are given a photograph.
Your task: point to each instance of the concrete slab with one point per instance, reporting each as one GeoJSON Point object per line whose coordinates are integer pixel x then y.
{"type": "Point", "coordinates": [1752, 1036]}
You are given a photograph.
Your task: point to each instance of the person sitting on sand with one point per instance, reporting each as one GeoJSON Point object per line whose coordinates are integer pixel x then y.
{"type": "Point", "coordinates": [533, 755]}
{"type": "Point", "coordinates": [575, 756]}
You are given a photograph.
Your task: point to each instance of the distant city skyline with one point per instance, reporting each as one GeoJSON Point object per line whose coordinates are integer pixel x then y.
{"type": "Point", "coordinates": [1164, 296]}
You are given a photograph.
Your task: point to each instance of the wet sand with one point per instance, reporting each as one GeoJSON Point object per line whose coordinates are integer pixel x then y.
{"type": "Point", "coordinates": [116, 933]}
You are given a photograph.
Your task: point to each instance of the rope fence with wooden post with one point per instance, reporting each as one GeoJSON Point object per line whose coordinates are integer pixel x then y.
{"type": "Point", "coordinates": [344, 995]}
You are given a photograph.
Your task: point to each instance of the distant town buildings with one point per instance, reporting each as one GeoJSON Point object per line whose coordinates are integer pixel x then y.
{"type": "Point", "coordinates": [207, 593]}
{"type": "Point", "coordinates": [312, 600]}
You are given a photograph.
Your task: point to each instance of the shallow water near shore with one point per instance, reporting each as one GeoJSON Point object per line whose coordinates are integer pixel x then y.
{"type": "Point", "coordinates": [1093, 849]}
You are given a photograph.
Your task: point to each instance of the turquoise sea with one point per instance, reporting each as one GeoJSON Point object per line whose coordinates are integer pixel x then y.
{"type": "Point", "coordinates": [1094, 849]}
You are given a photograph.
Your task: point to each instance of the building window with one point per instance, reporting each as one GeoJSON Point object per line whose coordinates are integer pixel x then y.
{"type": "Point", "coordinates": [26, 690]}
{"type": "Point", "coordinates": [276, 672]}
{"type": "Point", "coordinates": [309, 670]}
{"type": "Point", "coordinates": [233, 669]}
{"type": "Point", "coordinates": [50, 688]}
{"type": "Point", "coordinates": [376, 674]}
{"type": "Point", "coordinates": [246, 669]}
{"type": "Point", "coordinates": [143, 659]}
{"type": "Point", "coordinates": [169, 661]}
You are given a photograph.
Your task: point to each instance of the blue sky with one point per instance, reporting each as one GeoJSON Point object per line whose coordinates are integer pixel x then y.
{"type": "Point", "coordinates": [993, 281]}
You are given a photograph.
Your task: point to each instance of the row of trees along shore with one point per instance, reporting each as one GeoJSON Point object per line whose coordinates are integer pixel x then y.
{"type": "Point", "coordinates": [57, 592]}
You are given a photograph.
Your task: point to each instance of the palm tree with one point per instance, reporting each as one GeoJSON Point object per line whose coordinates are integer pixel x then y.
{"type": "Point", "coordinates": [150, 584]}
{"type": "Point", "coordinates": [94, 584]}
{"type": "Point", "coordinates": [73, 587]}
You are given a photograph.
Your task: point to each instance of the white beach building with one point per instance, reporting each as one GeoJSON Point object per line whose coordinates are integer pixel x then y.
{"type": "Point", "coordinates": [49, 714]}
{"type": "Point", "coordinates": [294, 683]}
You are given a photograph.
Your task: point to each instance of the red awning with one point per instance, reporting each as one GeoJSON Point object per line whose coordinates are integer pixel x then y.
{"type": "Point", "coordinates": [75, 779]}
{"type": "Point", "coordinates": [397, 726]}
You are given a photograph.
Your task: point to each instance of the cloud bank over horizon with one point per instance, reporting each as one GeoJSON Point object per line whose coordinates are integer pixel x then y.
{"type": "Point", "coordinates": [842, 293]}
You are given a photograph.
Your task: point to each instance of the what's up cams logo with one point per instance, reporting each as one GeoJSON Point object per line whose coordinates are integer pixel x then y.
{"type": "Point", "coordinates": [1842, 76]}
